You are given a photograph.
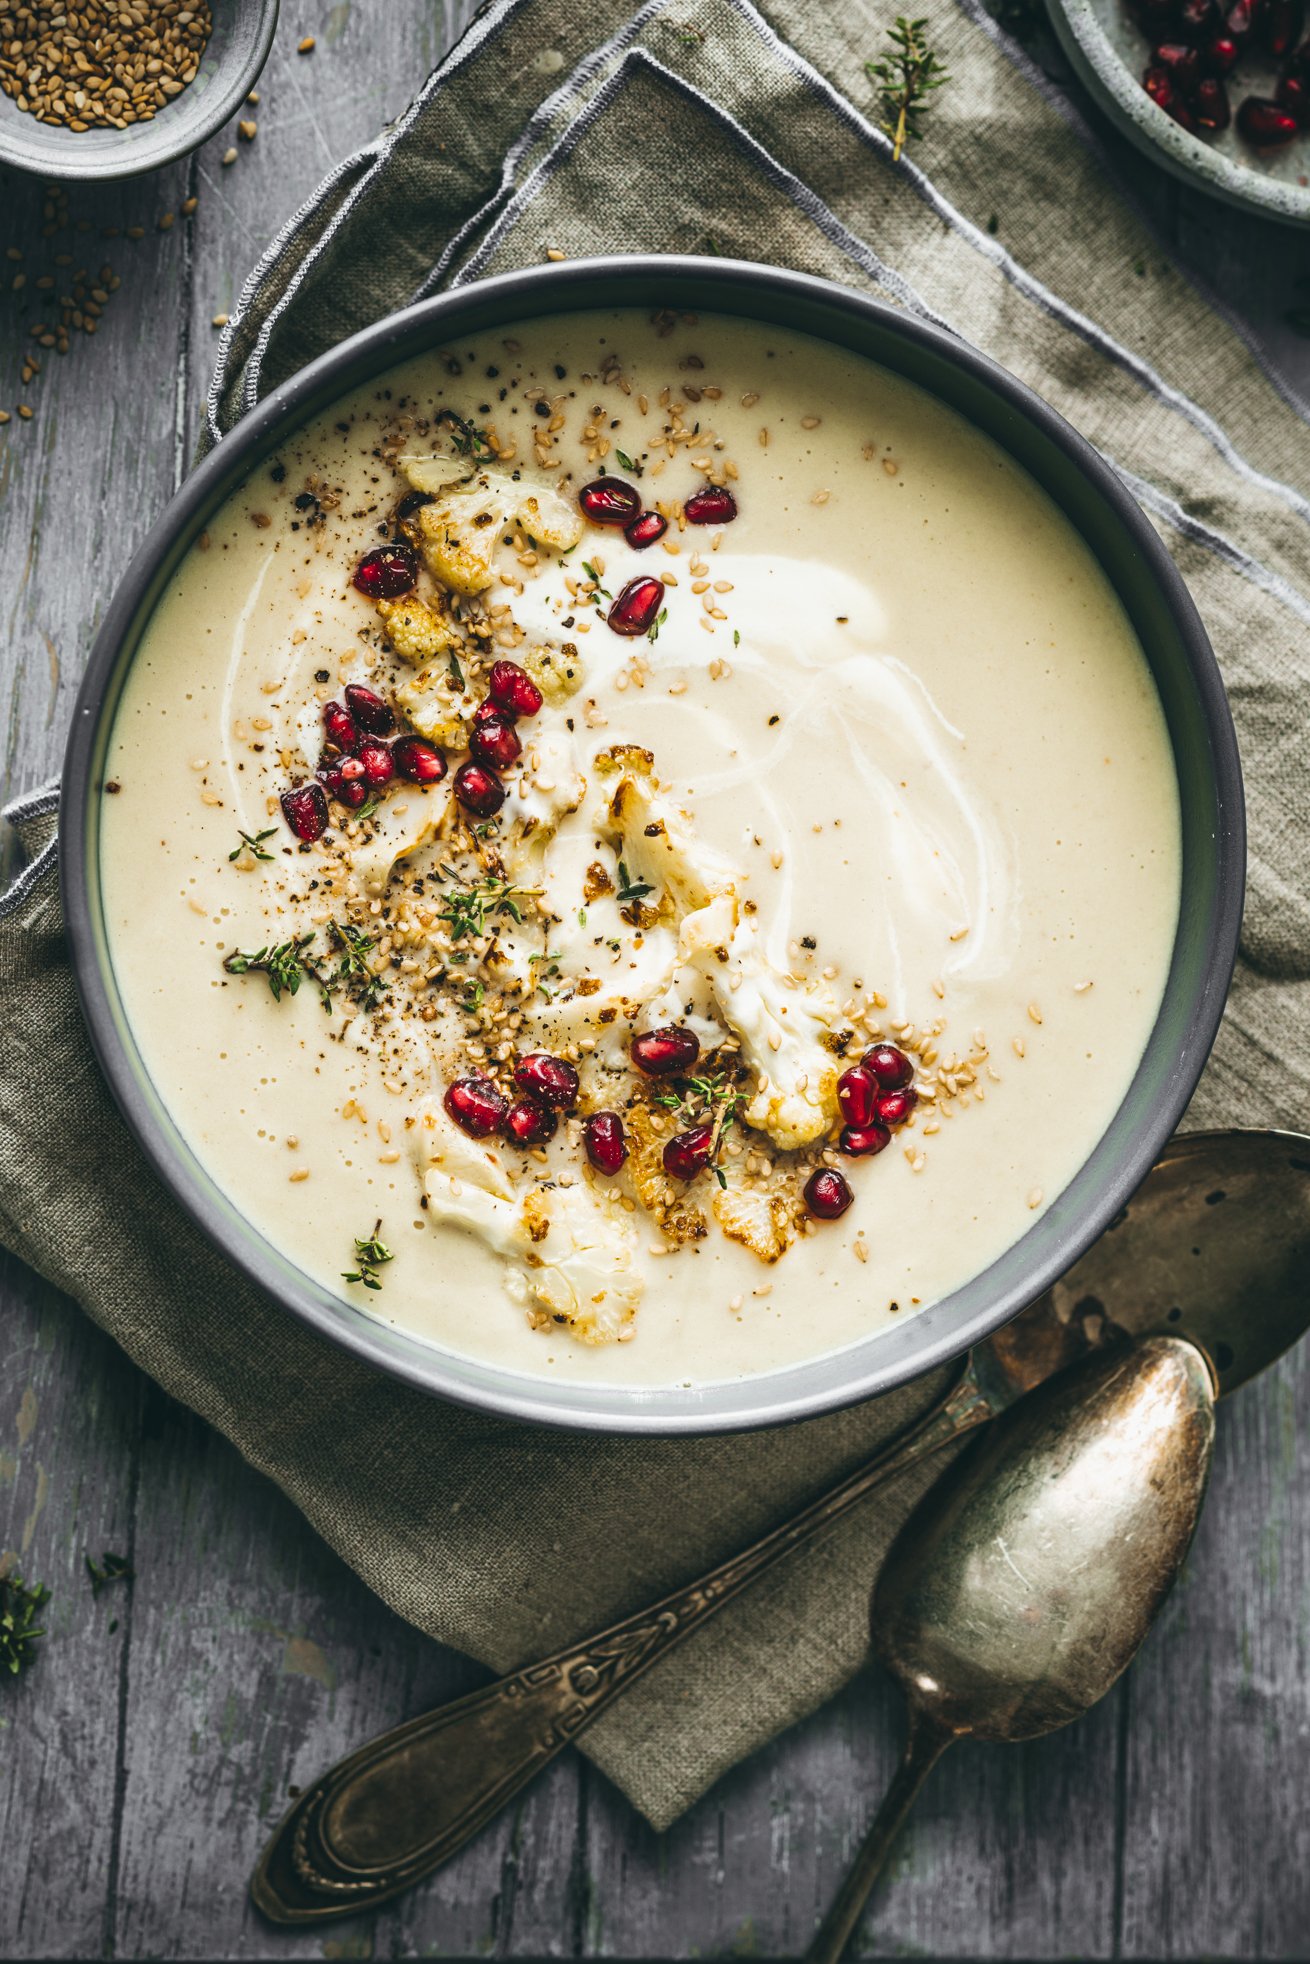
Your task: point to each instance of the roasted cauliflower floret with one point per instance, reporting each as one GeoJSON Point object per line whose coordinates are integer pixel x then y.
{"type": "Point", "coordinates": [457, 537]}
{"type": "Point", "coordinates": [558, 672]}
{"type": "Point", "coordinates": [417, 632]}
{"type": "Point", "coordinates": [570, 1250]}
{"type": "Point", "coordinates": [579, 1264]}
{"type": "Point", "coordinates": [652, 1185]}
{"type": "Point", "coordinates": [763, 1222]}
{"type": "Point", "coordinates": [548, 519]}
{"type": "Point", "coordinates": [433, 708]}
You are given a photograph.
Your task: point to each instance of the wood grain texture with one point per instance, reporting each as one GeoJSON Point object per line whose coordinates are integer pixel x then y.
{"type": "Point", "coordinates": [141, 1767]}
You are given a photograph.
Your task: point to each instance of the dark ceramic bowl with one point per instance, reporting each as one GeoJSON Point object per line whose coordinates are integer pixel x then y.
{"type": "Point", "coordinates": [1205, 755]}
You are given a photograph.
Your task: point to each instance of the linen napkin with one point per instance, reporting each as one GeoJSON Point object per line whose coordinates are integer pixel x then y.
{"type": "Point", "coordinates": [559, 126]}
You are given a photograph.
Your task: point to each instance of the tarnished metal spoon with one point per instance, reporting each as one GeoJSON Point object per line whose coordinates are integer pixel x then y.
{"type": "Point", "coordinates": [1024, 1582]}
{"type": "Point", "coordinates": [1215, 1246]}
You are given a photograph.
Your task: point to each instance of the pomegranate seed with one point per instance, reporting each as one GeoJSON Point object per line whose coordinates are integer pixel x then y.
{"type": "Point", "coordinates": [513, 690]}
{"type": "Point", "coordinates": [479, 790]}
{"type": "Point", "coordinates": [712, 506]}
{"type": "Point", "coordinates": [418, 760]}
{"type": "Point", "coordinates": [305, 811]}
{"type": "Point", "coordinates": [1278, 25]}
{"type": "Point", "coordinates": [387, 572]}
{"type": "Point", "coordinates": [550, 1080]}
{"type": "Point", "coordinates": [857, 1141]}
{"type": "Point", "coordinates": [1180, 61]}
{"type": "Point", "coordinates": [1211, 104]}
{"type": "Point", "coordinates": [340, 726]}
{"type": "Point", "coordinates": [636, 607]}
{"type": "Point", "coordinates": [645, 529]}
{"type": "Point", "coordinates": [609, 501]}
{"type": "Point", "coordinates": [607, 1147]}
{"type": "Point", "coordinates": [1166, 94]}
{"type": "Point", "coordinates": [688, 1153]}
{"type": "Point", "coordinates": [1219, 57]}
{"type": "Point", "coordinates": [376, 759]}
{"type": "Point", "coordinates": [368, 709]}
{"type": "Point", "coordinates": [1293, 93]}
{"type": "Point", "coordinates": [666, 1052]}
{"type": "Point", "coordinates": [890, 1066]}
{"type": "Point", "coordinates": [827, 1195]}
{"type": "Point", "coordinates": [476, 1106]}
{"type": "Point", "coordinates": [530, 1124]}
{"type": "Point", "coordinates": [351, 791]}
{"type": "Point", "coordinates": [1239, 19]}
{"type": "Point", "coordinates": [494, 740]}
{"type": "Point", "coordinates": [894, 1107]}
{"type": "Point", "coordinates": [857, 1090]}
{"type": "Point", "coordinates": [1197, 20]}
{"type": "Point", "coordinates": [1264, 123]}
{"type": "Point", "coordinates": [351, 769]}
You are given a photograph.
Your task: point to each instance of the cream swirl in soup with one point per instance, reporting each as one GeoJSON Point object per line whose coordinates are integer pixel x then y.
{"type": "Point", "coordinates": [641, 849]}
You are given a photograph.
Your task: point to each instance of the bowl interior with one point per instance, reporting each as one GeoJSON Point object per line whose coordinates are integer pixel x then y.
{"type": "Point", "coordinates": [1200, 730]}
{"type": "Point", "coordinates": [236, 52]}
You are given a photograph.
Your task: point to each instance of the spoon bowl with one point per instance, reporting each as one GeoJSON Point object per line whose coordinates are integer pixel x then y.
{"type": "Point", "coordinates": [1024, 1584]}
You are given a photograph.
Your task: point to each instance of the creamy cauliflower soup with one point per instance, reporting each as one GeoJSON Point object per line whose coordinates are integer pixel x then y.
{"type": "Point", "coordinates": [640, 849]}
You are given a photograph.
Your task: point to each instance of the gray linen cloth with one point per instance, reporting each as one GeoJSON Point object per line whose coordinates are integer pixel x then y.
{"type": "Point", "coordinates": [722, 128]}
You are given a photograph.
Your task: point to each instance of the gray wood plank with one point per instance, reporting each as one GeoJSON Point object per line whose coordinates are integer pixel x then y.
{"type": "Point", "coordinates": [1216, 1829]}
{"type": "Point", "coordinates": [69, 1405]}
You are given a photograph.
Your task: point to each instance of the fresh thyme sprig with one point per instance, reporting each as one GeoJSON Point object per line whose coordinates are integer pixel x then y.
{"type": "Point", "coordinates": [602, 593]}
{"type": "Point", "coordinates": [19, 1604]}
{"type": "Point", "coordinates": [653, 631]}
{"type": "Point", "coordinates": [904, 79]}
{"type": "Point", "coordinates": [468, 439]}
{"type": "Point", "coordinates": [714, 1098]}
{"type": "Point", "coordinates": [284, 965]}
{"type": "Point", "coordinates": [254, 844]}
{"type": "Point", "coordinates": [371, 1254]}
{"type": "Point", "coordinates": [628, 463]}
{"type": "Point", "coordinates": [352, 971]}
{"type": "Point", "coordinates": [467, 909]}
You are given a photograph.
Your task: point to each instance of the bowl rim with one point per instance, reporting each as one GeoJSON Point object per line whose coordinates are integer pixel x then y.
{"type": "Point", "coordinates": [219, 103]}
{"type": "Point", "coordinates": [1115, 87]}
{"type": "Point", "coordinates": [1167, 1071]}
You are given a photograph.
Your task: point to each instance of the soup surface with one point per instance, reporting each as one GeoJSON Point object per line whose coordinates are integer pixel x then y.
{"type": "Point", "coordinates": [844, 750]}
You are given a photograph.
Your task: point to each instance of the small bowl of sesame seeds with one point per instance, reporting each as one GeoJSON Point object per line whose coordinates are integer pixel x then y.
{"type": "Point", "coordinates": [110, 88]}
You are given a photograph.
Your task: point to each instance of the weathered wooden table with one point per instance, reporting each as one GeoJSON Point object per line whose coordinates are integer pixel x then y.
{"type": "Point", "coordinates": [144, 1759]}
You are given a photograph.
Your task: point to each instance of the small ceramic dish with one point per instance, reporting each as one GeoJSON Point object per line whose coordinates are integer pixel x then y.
{"type": "Point", "coordinates": [1108, 52]}
{"type": "Point", "coordinates": [232, 61]}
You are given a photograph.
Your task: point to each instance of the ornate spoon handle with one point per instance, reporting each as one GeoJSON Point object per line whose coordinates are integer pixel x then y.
{"type": "Point", "coordinates": [400, 1806]}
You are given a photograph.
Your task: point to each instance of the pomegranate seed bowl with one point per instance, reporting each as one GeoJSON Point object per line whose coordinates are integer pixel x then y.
{"type": "Point", "coordinates": [1215, 91]}
{"type": "Point", "coordinates": [596, 749]}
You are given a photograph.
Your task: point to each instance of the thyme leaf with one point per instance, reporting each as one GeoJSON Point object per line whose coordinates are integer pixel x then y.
{"type": "Point", "coordinates": [630, 889]}
{"type": "Point", "coordinates": [353, 972]}
{"type": "Point", "coordinates": [594, 577]}
{"type": "Point", "coordinates": [254, 845]}
{"type": "Point", "coordinates": [110, 1568]}
{"type": "Point", "coordinates": [371, 1254]}
{"type": "Point", "coordinates": [455, 671]}
{"type": "Point", "coordinates": [468, 440]}
{"type": "Point", "coordinates": [626, 462]}
{"type": "Point", "coordinates": [19, 1604]}
{"type": "Point", "coordinates": [653, 631]}
{"type": "Point", "coordinates": [904, 78]}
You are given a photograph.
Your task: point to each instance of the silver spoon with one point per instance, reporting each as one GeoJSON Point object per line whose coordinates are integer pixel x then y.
{"type": "Point", "coordinates": [1024, 1582]}
{"type": "Point", "coordinates": [1215, 1245]}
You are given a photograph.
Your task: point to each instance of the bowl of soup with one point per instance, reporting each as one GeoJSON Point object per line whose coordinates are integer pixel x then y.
{"type": "Point", "coordinates": [652, 844]}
